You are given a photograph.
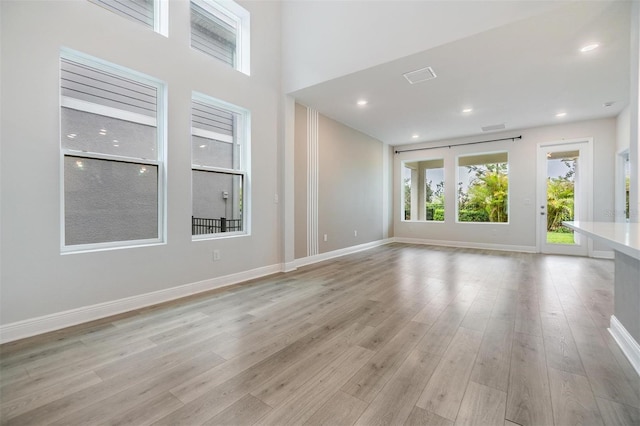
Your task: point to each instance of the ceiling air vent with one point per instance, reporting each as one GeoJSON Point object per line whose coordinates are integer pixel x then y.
{"type": "Point", "coordinates": [418, 76]}
{"type": "Point", "coordinates": [493, 127]}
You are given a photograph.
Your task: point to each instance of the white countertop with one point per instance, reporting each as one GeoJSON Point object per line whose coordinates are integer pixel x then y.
{"type": "Point", "coordinates": [622, 237]}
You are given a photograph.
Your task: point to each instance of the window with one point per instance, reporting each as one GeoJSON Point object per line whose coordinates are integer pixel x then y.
{"type": "Point", "coordinates": [220, 158]}
{"type": "Point", "coordinates": [151, 13]}
{"type": "Point", "coordinates": [112, 148]}
{"type": "Point", "coordinates": [483, 188]}
{"type": "Point", "coordinates": [221, 30]}
{"type": "Point", "coordinates": [423, 189]}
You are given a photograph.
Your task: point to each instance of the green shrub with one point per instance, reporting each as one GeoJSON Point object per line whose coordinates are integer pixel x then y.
{"type": "Point", "coordinates": [473, 216]}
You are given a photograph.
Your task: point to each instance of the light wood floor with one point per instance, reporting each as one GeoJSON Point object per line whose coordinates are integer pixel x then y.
{"type": "Point", "coordinates": [396, 335]}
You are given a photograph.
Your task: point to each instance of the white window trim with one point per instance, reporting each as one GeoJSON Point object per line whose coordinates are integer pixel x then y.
{"type": "Point", "coordinates": [402, 212]}
{"type": "Point", "coordinates": [208, 134]}
{"type": "Point", "coordinates": [457, 166]}
{"type": "Point", "coordinates": [242, 126]}
{"type": "Point", "coordinates": [107, 111]}
{"type": "Point", "coordinates": [160, 120]}
{"type": "Point", "coordinates": [239, 17]}
{"type": "Point", "coordinates": [161, 17]}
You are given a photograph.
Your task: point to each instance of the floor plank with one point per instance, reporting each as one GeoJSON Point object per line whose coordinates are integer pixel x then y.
{"type": "Point", "coordinates": [482, 405]}
{"type": "Point", "coordinates": [341, 409]}
{"type": "Point", "coordinates": [245, 411]}
{"type": "Point", "coordinates": [420, 417]}
{"type": "Point", "coordinates": [368, 381]}
{"type": "Point", "coordinates": [309, 399]}
{"type": "Point", "coordinates": [618, 414]}
{"type": "Point", "coordinates": [528, 396]}
{"type": "Point", "coordinates": [394, 402]}
{"type": "Point", "coordinates": [494, 356]}
{"type": "Point", "coordinates": [445, 390]}
{"type": "Point", "coordinates": [572, 399]}
{"type": "Point", "coordinates": [398, 334]}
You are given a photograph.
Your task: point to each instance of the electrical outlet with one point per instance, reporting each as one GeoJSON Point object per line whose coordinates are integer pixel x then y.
{"type": "Point", "coordinates": [325, 237]}
{"type": "Point", "coordinates": [355, 233]}
{"type": "Point", "coordinates": [216, 255]}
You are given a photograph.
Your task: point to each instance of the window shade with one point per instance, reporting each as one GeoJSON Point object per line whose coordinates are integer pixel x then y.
{"type": "Point", "coordinates": [137, 10]}
{"type": "Point", "coordinates": [89, 84]}
{"type": "Point", "coordinates": [480, 159]}
{"type": "Point", "coordinates": [210, 118]}
{"type": "Point", "coordinates": [212, 35]}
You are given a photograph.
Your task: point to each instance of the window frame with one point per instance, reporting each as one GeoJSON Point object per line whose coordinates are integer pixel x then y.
{"type": "Point", "coordinates": [231, 12]}
{"type": "Point", "coordinates": [424, 187]}
{"type": "Point", "coordinates": [161, 141]}
{"type": "Point", "coordinates": [457, 200]}
{"type": "Point", "coordinates": [160, 15]}
{"type": "Point", "coordinates": [241, 137]}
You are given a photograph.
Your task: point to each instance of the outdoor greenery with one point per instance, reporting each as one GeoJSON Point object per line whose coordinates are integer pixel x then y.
{"type": "Point", "coordinates": [560, 199]}
{"type": "Point", "coordinates": [435, 201]}
{"type": "Point", "coordinates": [407, 199]}
{"type": "Point", "coordinates": [485, 199]}
{"type": "Point", "coordinates": [560, 237]}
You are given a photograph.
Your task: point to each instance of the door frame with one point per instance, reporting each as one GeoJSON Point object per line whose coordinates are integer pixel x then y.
{"type": "Point", "coordinates": [586, 181]}
{"type": "Point", "coordinates": [622, 157]}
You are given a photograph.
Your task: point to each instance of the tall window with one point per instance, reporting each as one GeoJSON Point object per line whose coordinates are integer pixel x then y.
{"type": "Point", "coordinates": [112, 146]}
{"type": "Point", "coordinates": [220, 159]}
{"type": "Point", "coordinates": [221, 30]}
{"type": "Point", "coordinates": [423, 189]}
{"type": "Point", "coordinates": [151, 13]}
{"type": "Point", "coordinates": [483, 188]}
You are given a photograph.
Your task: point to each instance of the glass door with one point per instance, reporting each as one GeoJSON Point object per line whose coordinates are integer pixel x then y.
{"type": "Point", "coordinates": [564, 195]}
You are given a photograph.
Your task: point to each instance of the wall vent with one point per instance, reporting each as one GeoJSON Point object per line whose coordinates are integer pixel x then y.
{"type": "Point", "coordinates": [493, 127]}
{"type": "Point", "coordinates": [418, 76]}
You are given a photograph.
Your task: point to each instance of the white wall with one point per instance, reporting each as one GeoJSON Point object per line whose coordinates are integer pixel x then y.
{"type": "Point", "coordinates": [36, 279]}
{"type": "Point", "coordinates": [350, 186]}
{"type": "Point", "coordinates": [634, 107]}
{"type": "Point", "coordinates": [328, 39]}
{"type": "Point", "coordinates": [520, 232]}
{"type": "Point", "coordinates": [623, 129]}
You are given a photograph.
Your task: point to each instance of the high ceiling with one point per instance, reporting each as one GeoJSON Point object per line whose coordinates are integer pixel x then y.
{"type": "Point", "coordinates": [520, 74]}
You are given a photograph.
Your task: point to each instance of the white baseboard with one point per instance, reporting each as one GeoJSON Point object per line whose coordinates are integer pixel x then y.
{"type": "Point", "coordinates": [602, 254]}
{"type": "Point", "coordinates": [464, 244]}
{"type": "Point", "coordinates": [59, 320]}
{"type": "Point", "coordinates": [292, 266]}
{"type": "Point", "coordinates": [627, 344]}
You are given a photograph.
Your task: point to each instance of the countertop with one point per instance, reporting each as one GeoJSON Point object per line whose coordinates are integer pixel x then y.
{"type": "Point", "coordinates": [622, 237]}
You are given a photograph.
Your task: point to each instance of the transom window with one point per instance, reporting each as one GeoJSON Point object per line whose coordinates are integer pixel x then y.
{"type": "Point", "coordinates": [221, 30]}
{"type": "Point", "coordinates": [150, 13]}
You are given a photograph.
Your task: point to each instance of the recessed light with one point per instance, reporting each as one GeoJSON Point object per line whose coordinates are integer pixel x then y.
{"type": "Point", "coordinates": [362, 102]}
{"type": "Point", "coordinates": [589, 47]}
{"type": "Point", "coordinates": [561, 114]}
{"type": "Point", "coordinates": [71, 135]}
{"type": "Point", "coordinates": [467, 110]}
{"type": "Point", "coordinates": [203, 146]}
{"type": "Point", "coordinates": [415, 136]}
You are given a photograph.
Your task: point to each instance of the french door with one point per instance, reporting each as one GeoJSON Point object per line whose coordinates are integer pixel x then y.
{"type": "Point", "coordinates": [565, 187]}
